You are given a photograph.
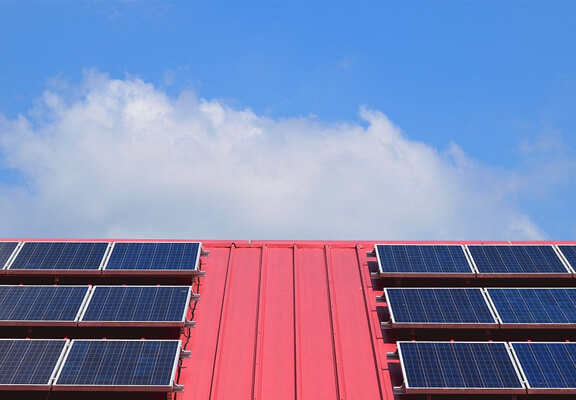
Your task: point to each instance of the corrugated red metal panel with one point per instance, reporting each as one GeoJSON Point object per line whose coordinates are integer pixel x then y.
{"type": "Point", "coordinates": [275, 361]}
{"type": "Point", "coordinates": [315, 360]}
{"type": "Point", "coordinates": [235, 353]}
{"type": "Point", "coordinates": [359, 377]}
{"type": "Point", "coordinates": [204, 341]}
{"type": "Point", "coordinates": [286, 320]}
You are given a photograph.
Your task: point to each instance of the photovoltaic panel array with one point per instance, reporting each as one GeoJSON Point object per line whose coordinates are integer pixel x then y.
{"type": "Point", "coordinates": [150, 256]}
{"type": "Point", "coordinates": [106, 364]}
{"type": "Point", "coordinates": [137, 303]}
{"type": "Point", "coordinates": [28, 363]}
{"type": "Point", "coordinates": [422, 259]}
{"type": "Point", "coordinates": [432, 306]}
{"type": "Point", "coordinates": [508, 259]}
{"type": "Point", "coordinates": [60, 256]}
{"type": "Point", "coordinates": [6, 250]}
{"type": "Point", "coordinates": [103, 305]}
{"type": "Point", "coordinates": [534, 305]}
{"type": "Point", "coordinates": [551, 308]}
{"type": "Point", "coordinates": [547, 366]}
{"type": "Point", "coordinates": [40, 303]}
{"type": "Point", "coordinates": [32, 364]}
{"type": "Point", "coordinates": [449, 366]}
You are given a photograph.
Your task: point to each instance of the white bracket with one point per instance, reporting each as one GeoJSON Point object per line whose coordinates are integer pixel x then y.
{"type": "Point", "coordinates": [386, 325]}
{"type": "Point", "coordinates": [399, 389]}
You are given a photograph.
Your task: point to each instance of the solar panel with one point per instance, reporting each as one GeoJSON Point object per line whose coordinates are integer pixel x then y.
{"type": "Point", "coordinates": [6, 250]}
{"type": "Point", "coordinates": [422, 260]}
{"type": "Point", "coordinates": [40, 305]}
{"type": "Point", "coordinates": [436, 367]}
{"type": "Point", "coordinates": [148, 305]}
{"type": "Point", "coordinates": [439, 307]}
{"type": "Point", "coordinates": [499, 260]}
{"type": "Point", "coordinates": [29, 364]}
{"type": "Point", "coordinates": [152, 256]}
{"type": "Point", "coordinates": [61, 256]}
{"type": "Point", "coordinates": [569, 253]}
{"type": "Point", "coordinates": [547, 367]}
{"type": "Point", "coordinates": [534, 307]}
{"type": "Point", "coordinates": [119, 365]}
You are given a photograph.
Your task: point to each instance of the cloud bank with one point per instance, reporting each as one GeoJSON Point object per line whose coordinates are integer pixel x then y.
{"type": "Point", "coordinates": [121, 158]}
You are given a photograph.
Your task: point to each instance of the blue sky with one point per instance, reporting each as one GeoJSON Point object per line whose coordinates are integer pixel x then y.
{"type": "Point", "coordinates": [494, 80]}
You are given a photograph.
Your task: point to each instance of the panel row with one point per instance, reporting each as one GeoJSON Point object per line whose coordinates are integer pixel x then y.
{"type": "Point", "coordinates": [482, 261]}
{"type": "Point", "coordinates": [515, 308]}
{"type": "Point", "coordinates": [95, 306]}
{"type": "Point", "coordinates": [107, 365]}
{"type": "Point", "coordinates": [94, 258]}
{"type": "Point", "coordinates": [487, 367]}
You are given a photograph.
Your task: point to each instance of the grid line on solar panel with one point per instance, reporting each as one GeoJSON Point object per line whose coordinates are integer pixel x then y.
{"type": "Point", "coordinates": [439, 306]}
{"type": "Point", "coordinates": [146, 304]}
{"type": "Point", "coordinates": [154, 256]}
{"type": "Point", "coordinates": [547, 366]}
{"type": "Point", "coordinates": [60, 256]}
{"type": "Point", "coordinates": [6, 251]}
{"type": "Point", "coordinates": [535, 306]}
{"type": "Point", "coordinates": [432, 367]}
{"type": "Point", "coordinates": [109, 364]}
{"type": "Point", "coordinates": [517, 259]}
{"type": "Point", "coordinates": [42, 304]}
{"type": "Point", "coordinates": [29, 363]}
{"type": "Point", "coordinates": [569, 254]}
{"type": "Point", "coordinates": [422, 259]}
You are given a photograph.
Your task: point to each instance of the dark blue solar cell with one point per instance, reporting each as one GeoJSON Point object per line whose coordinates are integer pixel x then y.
{"type": "Point", "coordinates": [517, 259]}
{"type": "Point", "coordinates": [535, 306]}
{"type": "Point", "coordinates": [28, 362]}
{"type": "Point", "coordinates": [120, 363]}
{"type": "Point", "coordinates": [137, 303]}
{"type": "Point", "coordinates": [6, 250]}
{"type": "Point", "coordinates": [445, 365]}
{"type": "Point", "coordinates": [154, 256]}
{"type": "Point", "coordinates": [41, 303]}
{"type": "Point", "coordinates": [422, 259]}
{"type": "Point", "coordinates": [570, 254]}
{"type": "Point", "coordinates": [60, 256]}
{"type": "Point", "coordinates": [447, 306]}
{"type": "Point", "coordinates": [548, 365]}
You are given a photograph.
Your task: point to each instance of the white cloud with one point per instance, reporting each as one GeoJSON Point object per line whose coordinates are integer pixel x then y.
{"type": "Point", "coordinates": [120, 158]}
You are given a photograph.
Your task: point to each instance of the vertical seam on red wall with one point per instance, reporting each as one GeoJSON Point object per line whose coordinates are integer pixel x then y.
{"type": "Point", "coordinates": [336, 350]}
{"type": "Point", "coordinates": [230, 260]}
{"type": "Point", "coordinates": [261, 311]}
{"type": "Point", "coordinates": [297, 383]}
{"type": "Point", "coordinates": [377, 361]}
